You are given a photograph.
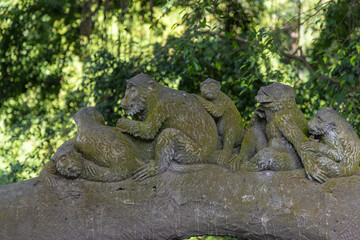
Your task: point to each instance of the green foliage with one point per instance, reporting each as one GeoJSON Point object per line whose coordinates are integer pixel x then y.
{"type": "Point", "coordinates": [58, 56]}
{"type": "Point", "coordinates": [336, 54]}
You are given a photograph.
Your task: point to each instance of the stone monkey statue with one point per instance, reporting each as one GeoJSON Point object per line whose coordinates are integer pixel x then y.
{"type": "Point", "coordinates": [285, 125]}
{"type": "Point", "coordinates": [97, 153]}
{"type": "Point", "coordinates": [181, 129]}
{"type": "Point", "coordinates": [254, 139]}
{"type": "Point", "coordinates": [229, 121]}
{"type": "Point", "coordinates": [338, 149]}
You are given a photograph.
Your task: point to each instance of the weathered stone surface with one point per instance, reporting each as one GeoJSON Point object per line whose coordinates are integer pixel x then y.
{"type": "Point", "coordinates": [246, 205]}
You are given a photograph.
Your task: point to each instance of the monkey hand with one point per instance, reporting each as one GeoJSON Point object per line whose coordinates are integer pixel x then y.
{"type": "Point", "coordinates": [123, 124]}
{"type": "Point", "coordinates": [235, 163]}
{"type": "Point", "coordinates": [89, 168]}
{"type": "Point", "coordinates": [147, 170]}
{"type": "Point", "coordinates": [313, 172]}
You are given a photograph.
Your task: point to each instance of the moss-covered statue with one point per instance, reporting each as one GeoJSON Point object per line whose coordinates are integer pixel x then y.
{"type": "Point", "coordinates": [336, 146]}
{"type": "Point", "coordinates": [182, 130]}
{"type": "Point", "coordinates": [254, 139]}
{"type": "Point", "coordinates": [228, 118]}
{"type": "Point", "coordinates": [97, 153]}
{"type": "Point", "coordinates": [279, 110]}
{"type": "Point", "coordinates": [177, 132]}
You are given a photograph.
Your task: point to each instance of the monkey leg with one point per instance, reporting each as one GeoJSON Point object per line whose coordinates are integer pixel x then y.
{"type": "Point", "coordinates": [172, 146]}
{"type": "Point", "coordinates": [254, 140]}
{"type": "Point", "coordinates": [221, 157]}
{"type": "Point", "coordinates": [332, 168]}
{"type": "Point", "coordinates": [270, 159]}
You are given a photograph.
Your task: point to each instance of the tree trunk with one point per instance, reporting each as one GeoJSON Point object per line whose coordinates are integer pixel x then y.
{"type": "Point", "coordinates": [245, 205]}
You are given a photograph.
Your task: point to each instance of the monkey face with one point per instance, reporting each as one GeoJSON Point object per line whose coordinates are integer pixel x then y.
{"type": "Point", "coordinates": [67, 160]}
{"type": "Point", "coordinates": [138, 90]}
{"type": "Point", "coordinates": [210, 90]}
{"type": "Point", "coordinates": [275, 92]}
{"type": "Point", "coordinates": [321, 124]}
{"type": "Point", "coordinates": [68, 164]}
{"type": "Point", "coordinates": [131, 103]}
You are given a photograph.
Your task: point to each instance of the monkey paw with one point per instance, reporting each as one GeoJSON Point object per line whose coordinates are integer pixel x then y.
{"type": "Point", "coordinates": [315, 173]}
{"type": "Point", "coordinates": [48, 179]}
{"type": "Point", "coordinates": [147, 170]}
{"type": "Point", "coordinates": [89, 168]}
{"type": "Point", "coordinates": [122, 123]}
{"type": "Point", "coordinates": [235, 163]}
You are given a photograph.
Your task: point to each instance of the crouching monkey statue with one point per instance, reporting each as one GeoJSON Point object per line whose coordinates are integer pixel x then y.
{"type": "Point", "coordinates": [183, 131]}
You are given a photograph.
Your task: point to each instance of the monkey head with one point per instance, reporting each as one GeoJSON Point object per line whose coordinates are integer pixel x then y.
{"type": "Point", "coordinates": [139, 91]}
{"type": "Point", "coordinates": [89, 114]}
{"type": "Point", "coordinates": [67, 160]}
{"type": "Point", "coordinates": [274, 94]}
{"type": "Point", "coordinates": [324, 122]}
{"type": "Point", "coordinates": [210, 89]}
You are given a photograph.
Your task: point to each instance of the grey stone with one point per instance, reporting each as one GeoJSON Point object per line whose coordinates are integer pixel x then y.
{"type": "Point", "coordinates": [246, 205]}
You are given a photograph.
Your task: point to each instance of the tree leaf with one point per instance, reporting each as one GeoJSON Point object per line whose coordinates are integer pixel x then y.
{"type": "Point", "coordinates": [218, 65]}
{"type": "Point", "coordinates": [352, 60]}
{"type": "Point", "coordinates": [203, 23]}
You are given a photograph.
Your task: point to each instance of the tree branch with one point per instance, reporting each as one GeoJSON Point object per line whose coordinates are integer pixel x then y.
{"type": "Point", "coordinates": [300, 58]}
{"type": "Point", "coordinates": [244, 205]}
{"type": "Point", "coordinates": [307, 65]}
{"type": "Point", "coordinates": [239, 39]}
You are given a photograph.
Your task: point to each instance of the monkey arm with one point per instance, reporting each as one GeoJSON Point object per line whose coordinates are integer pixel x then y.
{"type": "Point", "coordinates": [298, 139]}
{"type": "Point", "coordinates": [222, 157]}
{"type": "Point", "coordinates": [215, 111]}
{"type": "Point", "coordinates": [291, 132]}
{"type": "Point", "coordinates": [336, 155]}
{"type": "Point", "coordinates": [229, 141]}
{"type": "Point", "coordinates": [146, 130]}
{"type": "Point", "coordinates": [330, 152]}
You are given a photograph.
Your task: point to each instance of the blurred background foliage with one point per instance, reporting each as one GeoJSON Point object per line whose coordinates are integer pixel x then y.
{"type": "Point", "coordinates": [57, 56]}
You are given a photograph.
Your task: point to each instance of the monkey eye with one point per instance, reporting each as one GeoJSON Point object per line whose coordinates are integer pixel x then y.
{"type": "Point", "coordinates": [130, 85]}
{"type": "Point", "coordinates": [132, 88]}
{"type": "Point", "coordinates": [320, 119]}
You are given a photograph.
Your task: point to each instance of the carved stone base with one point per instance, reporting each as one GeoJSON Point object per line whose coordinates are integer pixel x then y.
{"type": "Point", "coordinates": [246, 205]}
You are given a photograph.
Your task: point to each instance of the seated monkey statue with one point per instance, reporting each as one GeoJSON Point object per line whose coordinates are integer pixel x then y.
{"type": "Point", "coordinates": [228, 118]}
{"type": "Point", "coordinates": [254, 139]}
{"type": "Point", "coordinates": [97, 153]}
{"type": "Point", "coordinates": [284, 124]}
{"type": "Point", "coordinates": [182, 130]}
{"type": "Point", "coordinates": [337, 150]}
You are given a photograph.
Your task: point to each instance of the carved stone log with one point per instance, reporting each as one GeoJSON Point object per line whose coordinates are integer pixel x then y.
{"type": "Point", "coordinates": [245, 205]}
